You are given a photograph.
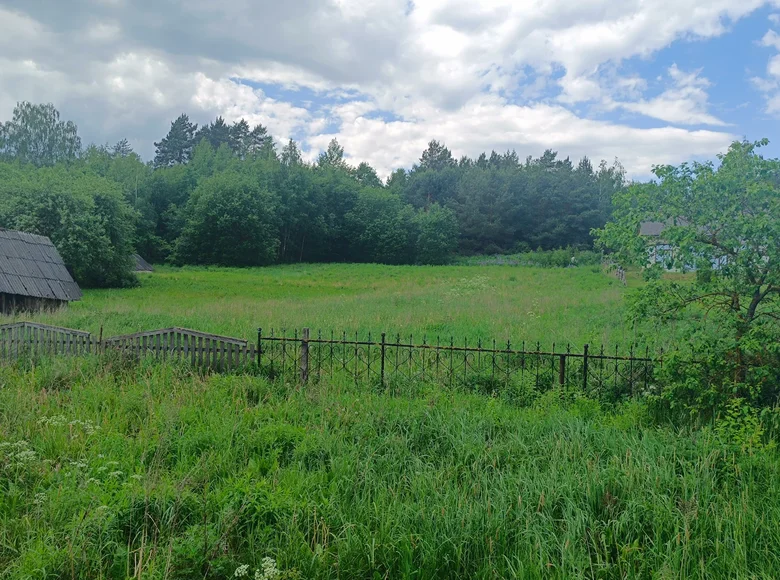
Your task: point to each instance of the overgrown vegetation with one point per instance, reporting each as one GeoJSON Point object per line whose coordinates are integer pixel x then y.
{"type": "Point", "coordinates": [573, 305]}
{"type": "Point", "coordinates": [725, 223]}
{"type": "Point", "coordinates": [223, 195]}
{"type": "Point", "coordinates": [114, 471]}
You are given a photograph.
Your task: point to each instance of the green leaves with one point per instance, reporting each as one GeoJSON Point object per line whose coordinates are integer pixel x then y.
{"type": "Point", "coordinates": [725, 223]}
{"type": "Point", "coordinates": [230, 221]}
{"type": "Point", "coordinates": [36, 135]}
{"type": "Point", "coordinates": [85, 216]}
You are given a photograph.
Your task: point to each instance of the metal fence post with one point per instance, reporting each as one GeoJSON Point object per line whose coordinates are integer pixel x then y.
{"type": "Point", "coordinates": [382, 363]}
{"type": "Point", "coordinates": [585, 370]}
{"type": "Point", "coordinates": [562, 370]}
{"type": "Point", "coordinates": [305, 356]}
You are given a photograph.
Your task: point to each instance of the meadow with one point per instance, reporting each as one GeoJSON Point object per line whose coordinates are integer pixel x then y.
{"type": "Point", "coordinates": [562, 305]}
{"type": "Point", "coordinates": [116, 469]}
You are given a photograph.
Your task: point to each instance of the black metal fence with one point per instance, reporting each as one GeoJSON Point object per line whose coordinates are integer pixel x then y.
{"type": "Point", "coordinates": [301, 357]}
{"type": "Point", "coordinates": [488, 366]}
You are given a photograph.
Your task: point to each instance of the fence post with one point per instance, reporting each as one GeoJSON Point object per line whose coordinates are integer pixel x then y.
{"type": "Point", "coordinates": [585, 370]}
{"type": "Point", "coordinates": [562, 370]}
{"type": "Point", "coordinates": [305, 356]}
{"type": "Point", "coordinates": [382, 364]}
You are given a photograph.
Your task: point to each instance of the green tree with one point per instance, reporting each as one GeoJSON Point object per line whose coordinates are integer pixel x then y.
{"type": "Point", "coordinates": [725, 221]}
{"type": "Point", "coordinates": [291, 155]}
{"type": "Point", "coordinates": [367, 176]}
{"type": "Point", "coordinates": [230, 221]}
{"type": "Point", "coordinates": [437, 235]}
{"type": "Point", "coordinates": [333, 156]}
{"type": "Point", "coordinates": [36, 135]}
{"type": "Point", "coordinates": [436, 157]}
{"type": "Point", "coordinates": [381, 228]}
{"type": "Point", "coordinates": [122, 149]}
{"type": "Point", "coordinates": [84, 215]}
{"type": "Point", "coordinates": [176, 147]}
{"type": "Point", "coordinates": [239, 138]}
{"type": "Point", "coordinates": [261, 144]}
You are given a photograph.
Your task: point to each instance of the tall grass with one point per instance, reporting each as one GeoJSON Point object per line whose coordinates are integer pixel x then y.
{"type": "Point", "coordinates": [573, 305]}
{"type": "Point", "coordinates": [110, 470]}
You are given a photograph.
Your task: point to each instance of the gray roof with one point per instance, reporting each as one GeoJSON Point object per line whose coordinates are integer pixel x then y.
{"type": "Point", "coordinates": [651, 228]}
{"type": "Point", "coordinates": [142, 265]}
{"type": "Point", "coordinates": [30, 265]}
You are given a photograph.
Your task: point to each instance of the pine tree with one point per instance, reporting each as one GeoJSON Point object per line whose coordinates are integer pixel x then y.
{"type": "Point", "coordinates": [239, 138]}
{"type": "Point", "coordinates": [121, 149]}
{"type": "Point", "coordinates": [333, 156]}
{"type": "Point", "coordinates": [176, 146]}
{"type": "Point", "coordinates": [260, 143]}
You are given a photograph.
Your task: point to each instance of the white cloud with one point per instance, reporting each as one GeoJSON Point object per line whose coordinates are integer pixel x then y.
{"type": "Point", "coordinates": [685, 103]}
{"type": "Point", "coordinates": [770, 84]}
{"type": "Point", "coordinates": [477, 75]}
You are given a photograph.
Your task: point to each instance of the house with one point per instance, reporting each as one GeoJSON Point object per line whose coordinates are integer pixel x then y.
{"type": "Point", "coordinates": [32, 274]}
{"type": "Point", "coordinates": [660, 251]}
{"type": "Point", "coordinates": [141, 265]}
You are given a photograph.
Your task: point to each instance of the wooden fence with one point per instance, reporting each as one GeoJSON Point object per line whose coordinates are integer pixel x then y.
{"type": "Point", "coordinates": [30, 340]}
{"type": "Point", "coordinates": [198, 348]}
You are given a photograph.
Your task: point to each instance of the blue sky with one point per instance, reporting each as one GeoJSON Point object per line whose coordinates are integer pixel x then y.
{"type": "Point", "coordinates": [644, 81]}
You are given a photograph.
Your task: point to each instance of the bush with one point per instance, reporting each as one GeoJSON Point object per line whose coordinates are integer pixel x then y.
{"type": "Point", "coordinates": [437, 235]}
{"type": "Point", "coordinates": [229, 221]}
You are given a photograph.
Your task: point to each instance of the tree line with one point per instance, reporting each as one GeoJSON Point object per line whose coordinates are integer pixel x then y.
{"type": "Point", "coordinates": [226, 194]}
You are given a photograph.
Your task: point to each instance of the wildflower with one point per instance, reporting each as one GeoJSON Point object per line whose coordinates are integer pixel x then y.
{"type": "Point", "coordinates": [242, 571]}
{"type": "Point", "coordinates": [115, 474]}
{"type": "Point", "coordinates": [39, 498]}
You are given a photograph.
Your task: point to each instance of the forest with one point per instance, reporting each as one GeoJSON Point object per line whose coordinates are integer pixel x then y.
{"type": "Point", "coordinates": [227, 194]}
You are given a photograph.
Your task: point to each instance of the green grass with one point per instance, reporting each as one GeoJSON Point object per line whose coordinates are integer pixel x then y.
{"type": "Point", "coordinates": [111, 471]}
{"type": "Point", "coordinates": [574, 305]}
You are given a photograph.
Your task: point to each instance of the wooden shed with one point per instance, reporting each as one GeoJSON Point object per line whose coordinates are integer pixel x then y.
{"type": "Point", "coordinates": [32, 274]}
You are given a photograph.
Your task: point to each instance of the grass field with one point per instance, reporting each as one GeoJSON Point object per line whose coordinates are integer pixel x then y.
{"type": "Point", "coordinates": [575, 305]}
{"type": "Point", "coordinates": [117, 470]}
{"type": "Point", "coordinates": [108, 471]}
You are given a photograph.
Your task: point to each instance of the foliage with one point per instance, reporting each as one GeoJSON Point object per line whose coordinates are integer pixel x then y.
{"type": "Point", "coordinates": [500, 203]}
{"type": "Point", "coordinates": [437, 235]}
{"type": "Point", "coordinates": [230, 220]}
{"type": "Point", "coordinates": [725, 221]}
{"type": "Point", "coordinates": [156, 472]}
{"type": "Point", "coordinates": [85, 216]}
{"type": "Point", "coordinates": [36, 135]}
{"type": "Point", "coordinates": [176, 147]}
{"type": "Point", "coordinates": [383, 228]}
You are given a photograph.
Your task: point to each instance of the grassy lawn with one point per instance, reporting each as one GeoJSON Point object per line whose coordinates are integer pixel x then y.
{"type": "Point", "coordinates": [108, 471]}
{"type": "Point", "coordinates": [575, 305]}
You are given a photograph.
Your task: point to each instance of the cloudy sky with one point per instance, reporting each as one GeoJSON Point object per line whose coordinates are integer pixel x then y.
{"type": "Point", "coordinates": [647, 81]}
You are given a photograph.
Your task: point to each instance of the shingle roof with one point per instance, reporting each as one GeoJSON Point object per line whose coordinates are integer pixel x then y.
{"type": "Point", "coordinates": [30, 265]}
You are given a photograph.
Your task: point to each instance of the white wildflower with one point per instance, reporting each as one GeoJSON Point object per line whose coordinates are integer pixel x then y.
{"type": "Point", "coordinates": [242, 571]}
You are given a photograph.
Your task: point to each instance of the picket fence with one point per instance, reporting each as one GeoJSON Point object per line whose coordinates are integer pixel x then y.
{"type": "Point", "coordinates": [32, 340]}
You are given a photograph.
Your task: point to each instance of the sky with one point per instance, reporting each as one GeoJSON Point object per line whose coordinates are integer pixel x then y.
{"type": "Point", "coordinates": [645, 81]}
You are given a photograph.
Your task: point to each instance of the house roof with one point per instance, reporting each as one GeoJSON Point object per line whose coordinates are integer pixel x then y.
{"type": "Point", "coordinates": [651, 228]}
{"type": "Point", "coordinates": [142, 265]}
{"type": "Point", "coordinates": [30, 265]}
